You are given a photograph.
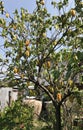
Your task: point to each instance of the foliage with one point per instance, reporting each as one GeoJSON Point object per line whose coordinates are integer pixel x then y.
{"type": "Point", "coordinates": [16, 117]}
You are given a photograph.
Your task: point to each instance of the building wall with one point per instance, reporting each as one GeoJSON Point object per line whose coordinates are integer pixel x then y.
{"type": "Point", "coordinates": [6, 95]}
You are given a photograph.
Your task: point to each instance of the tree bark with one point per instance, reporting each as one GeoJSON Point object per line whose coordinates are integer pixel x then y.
{"type": "Point", "coordinates": [58, 118]}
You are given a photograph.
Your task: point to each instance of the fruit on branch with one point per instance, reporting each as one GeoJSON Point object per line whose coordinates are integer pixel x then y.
{"type": "Point", "coordinates": [7, 15]}
{"type": "Point", "coordinates": [76, 58]}
{"type": "Point", "coordinates": [14, 37]}
{"type": "Point", "coordinates": [27, 42]}
{"type": "Point", "coordinates": [44, 35]}
{"type": "Point", "coordinates": [28, 48]}
{"type": "Point", "coordinates": [48, 64]}
{"type": "Point", "coordinates": [27, 53]}
{"type": "Point", "coordinates": [59, 96]}
{"type": "Point", "coordinates": [73, 12]}
{"type": "Point", "coordinates": [23, 15]}
{"type": "Point", "coordinates": [55, 43]}
{"type": "Point", "coordinates": [15, 70]}
{"type": "Point", "coordinates": [42, 2]}
{"type": "Point", "coordinates": [70, 82]}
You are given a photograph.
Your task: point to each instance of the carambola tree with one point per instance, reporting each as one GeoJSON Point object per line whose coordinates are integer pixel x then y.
{"type": "Point", "coordinates": [45, 49]}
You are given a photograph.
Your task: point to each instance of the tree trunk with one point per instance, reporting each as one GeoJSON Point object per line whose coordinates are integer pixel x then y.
{"type": "Point", "coordinates": [58, 118]}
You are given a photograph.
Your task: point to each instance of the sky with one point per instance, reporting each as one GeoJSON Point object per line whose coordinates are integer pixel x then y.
{"type": "Point", "coordinates": [11, 5]}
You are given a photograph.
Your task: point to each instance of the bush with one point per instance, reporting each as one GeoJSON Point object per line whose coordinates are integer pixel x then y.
{"type": "Point", "coordinates": [16, 117]}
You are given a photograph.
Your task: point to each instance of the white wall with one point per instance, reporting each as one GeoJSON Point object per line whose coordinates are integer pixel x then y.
{"type": "Point", "coordinates": [4, 96]}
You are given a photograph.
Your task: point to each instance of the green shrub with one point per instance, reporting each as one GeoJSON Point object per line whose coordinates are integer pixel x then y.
{"type": "Point", "coordinates": [16, 117]}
